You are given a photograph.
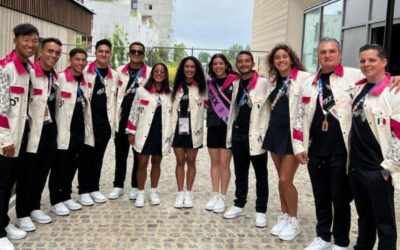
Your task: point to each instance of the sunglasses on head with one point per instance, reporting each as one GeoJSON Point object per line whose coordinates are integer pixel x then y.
{"type": "Point", "coordinates": [137, 52]}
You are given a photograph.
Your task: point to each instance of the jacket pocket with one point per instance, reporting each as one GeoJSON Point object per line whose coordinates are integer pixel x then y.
{"type": "Point", "coordinates": [144, 102]}
{"type": "Point", "coordinates": [17, 90]}
{"type": "Point", "coordinates": [37, 91]}
{"type": "Point", "coordinates": [65, 94]}
{"type": "Point", "coordinates": [305, 99]}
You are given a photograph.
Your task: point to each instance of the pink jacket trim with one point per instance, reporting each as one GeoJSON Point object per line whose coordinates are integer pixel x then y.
{"type": "Point", "coordinates": [4, 122]}
{"type": "Point", "coordinates": [17, 90]}
{"type": "Point", "coordinates": [339, 71]}
{"type": "Point", "coordinates": [395, 127]}
{"type": "Point", "coordinates": [297, 134]}
{"type": "Point", "coordinates": [92, 71]}
{"type": "Point", "coordinates": [130, 126]}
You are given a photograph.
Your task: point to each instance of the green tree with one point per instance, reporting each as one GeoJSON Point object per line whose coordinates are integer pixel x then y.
{"type": "Point", "coordinates": [232, 51]}
{"type": "Point", "coordinates": [179, 52]}
{"type": "Point", "coordinates": [119, 40]}
{"type": "Point", "coordinates": [79, 43]}
{"type": "Point", "coordinates": [204, 57]}
{"type": "Point", "coordinates": [158, 55]}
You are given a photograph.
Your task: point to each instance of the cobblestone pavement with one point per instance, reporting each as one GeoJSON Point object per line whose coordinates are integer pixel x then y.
{"type": "Point", "coordinates": [119, 224]}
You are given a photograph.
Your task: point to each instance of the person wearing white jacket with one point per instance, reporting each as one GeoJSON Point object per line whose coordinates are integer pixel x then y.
{"type": "Point", "coordinates": [287, 76]}
{"type": "Point", "coordinates": [14, 127]}
{"type": "Point", "coordinates": [42, 138]}
{"type": "Point", "coordinates": [102, 104]}
{"type": "Point", "coordinates": [188, 96]}
{"type": "Point", "coordinates": [131, 76]}
{"type": "Point", "coordinates": [149, 129]}
{"type": "Point", "coordinates": [375, 152]}
{"type": "Point", "coordinates": [248, 122]}
{"type": "Point", "coordinates": [74, 124]}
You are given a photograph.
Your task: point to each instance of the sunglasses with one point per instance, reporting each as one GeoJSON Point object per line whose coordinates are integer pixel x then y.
{"type": "Point", "coordinates": [160, 72]}
{"type": "Point", "coordinates": [137, 52]}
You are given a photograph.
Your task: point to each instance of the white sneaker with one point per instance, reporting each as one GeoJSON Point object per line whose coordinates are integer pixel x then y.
{"type": "Point", "coordinates": [154, 197]}
{"type": "Point", "coordinates": [179, 200]}
{"type": "Point", "coordinates": [133, 193]}
{"type": "Point", "coordinates": [25, 224]}
{"type": "Point", "coordinates": [336, 247]}
{"type": "Point", "coordinates": [188, 199]}
{"type": "Point", "coordinates": [60, 209]}
{"type": "Point", "coordinates": [40, 217]}
{"type": "Point", "coordinates": [85, 200]}
{"type": "Point", "coordinates": [14, 233]}
{"type": "Point", "coordinates": [98, 197]}
{"type": "Point", "coordinates": [212, 202]}
{"type": "Point", "coordinates": [5, 244]}
{"type": "Point", "coordinates": [234, 212]}
{"type": "Point", "coordinates": [115, 193]}
{"type": "Point", "coordinates": [140, 198]}
{"type": "Point", "coordinates": [291, 230]}
{"type": "Point", "coordinates": [220, 206]}
{"type": "Point", "coordinates": [318, 244]}
{"type": "Point", "coordinates": [280, 225]}
{"type": "Point", "coordinates": [261, 220]}
{"type": "Point", "coordinates": [72, 205]}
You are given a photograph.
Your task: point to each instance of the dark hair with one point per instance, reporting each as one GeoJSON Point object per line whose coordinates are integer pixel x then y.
{"type": "Point", "coordinates": [25, 29]}
{"type": "Point", "coordinates": [295, 60]}
{"type": "Point", "coordinates": [245, 52]}
{"type": "Point", "coordinates": [137, 43]}
{"type": "Point", "coordinates": [228, 70]}
{"type": "Point", "coordinates": [329, 39]}
{"type": "Point", "coordinates": [165, 83]}
{"type": "Point", "coordinates": [51, 40]}
{"type": "Point", "coordinates": [381, 51]}
{"type": "Point", "coordinates": [198, 76]}
{"type": "Point", "coordinates": [103, 42]}
{"type": "Point", "coordinates": [75, 51]}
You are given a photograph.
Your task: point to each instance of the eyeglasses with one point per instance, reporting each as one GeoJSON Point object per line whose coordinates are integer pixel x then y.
{"type": "Point", "coordinates": [137, 52]}
{"type": "Point", "coordinates": [160, 72]}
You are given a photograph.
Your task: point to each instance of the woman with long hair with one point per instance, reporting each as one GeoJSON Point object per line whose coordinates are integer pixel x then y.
{"type": "Point", "coordinates": [149, 129]}
{"type": "Point", "coordinates": [219, 95]}
{"type": "Point", "coordinates": [188, 96]}
{"type": "Point", "coordinates": [286, 74]}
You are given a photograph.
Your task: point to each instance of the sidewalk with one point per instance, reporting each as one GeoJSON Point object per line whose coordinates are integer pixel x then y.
{"type": "Point", "coordinates": [119, 224]}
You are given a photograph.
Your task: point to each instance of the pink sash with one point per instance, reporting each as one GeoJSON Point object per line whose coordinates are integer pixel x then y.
{"type": "Point", "coordinates": [218, 105]}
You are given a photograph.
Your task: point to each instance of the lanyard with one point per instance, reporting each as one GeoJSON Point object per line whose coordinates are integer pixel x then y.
{"type": "Point", "coordinates": [100, 76]}
{"type": "Point", "coordinates": [242, 99]}
{"type": "Point", "coordinates": [79, 90]}
{"type": "Point", "coordinates": [133, 85]}
{"type": "Point", "coordinates": [362, 99]}
{"type": "Point", "coordinates": [51, 79]}
{"type": "Point", "coordinates": [220, 91]}
{"type": "Point", "coordinates": [280, 92]}
{"type": "Point", "coordinates": [321, 97]}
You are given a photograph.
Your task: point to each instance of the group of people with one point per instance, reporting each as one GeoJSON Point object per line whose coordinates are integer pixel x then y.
{"type": "Point", "coordinates": [342, 122]}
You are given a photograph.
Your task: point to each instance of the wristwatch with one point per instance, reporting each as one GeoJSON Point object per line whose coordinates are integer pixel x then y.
{"type": "Point", "coordinates": [386, 172]}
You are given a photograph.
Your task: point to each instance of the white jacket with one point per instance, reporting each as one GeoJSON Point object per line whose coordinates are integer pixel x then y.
{"type": "Point", "coordinates": [260, 113]}
{"type": "Point", "coordinates": [111, 84]}
{"type": "Point", "coordinates": [66, 100]}
{"type": "Point", "coordinates": [141, 116]}
{"type": "Point", "coordinates": [14, 87]}
{"type": "Point", "coordinates": [123, 75]}
{"type": "Point", "coordinates": [297, 81]}
{"type": "Point", "coordinates": [37, 105]}
{"type": "Point", "coordinates": [382, 110]}
{"type": "Point", "coordinates": [342, 83]}
{"type": "Point", "coordinates": [196, 109]}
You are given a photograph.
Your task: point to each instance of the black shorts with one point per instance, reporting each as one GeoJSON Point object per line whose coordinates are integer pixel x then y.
{"type": "Point", "coordinates": [216, 137]}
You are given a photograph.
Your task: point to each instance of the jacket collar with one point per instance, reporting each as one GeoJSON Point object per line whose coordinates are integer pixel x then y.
{"type": "Point", "coordinates": [293, 75]}
{"type": "Point", "coordinates": [229, 80]}
{"type": "Point", "coordinates": [142, 74]}
{"type": "Point", "coordinates": [339, 71]}
{"type": "Point", "coordinates": [380, 87]}
{"type": "Point", "coordinates": [253, 81]}
{"type": "Point", "coordinates": [92, 70]}
{"type": "Point", "coordinates": [153, 90]}
{"type": "Point", "coordinates": [69, 77]}
{"type": "Point", "coordinates": [12, 57]}
{"type": "Point", "coordinates": [39, 71]}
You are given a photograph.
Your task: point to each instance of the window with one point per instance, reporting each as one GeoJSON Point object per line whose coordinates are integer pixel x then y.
{"type": "Point", "coordinates": [322, 21]}
{"type": "Point", "coordinates": [148, 6]}
{"type": "Point", "coordinates": [134, 4]}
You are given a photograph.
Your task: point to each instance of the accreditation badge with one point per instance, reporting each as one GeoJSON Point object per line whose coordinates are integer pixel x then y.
{"type": "Point", "coordinates": [183, 125]}
{"type": "Point", "coordinates": [47, 117]}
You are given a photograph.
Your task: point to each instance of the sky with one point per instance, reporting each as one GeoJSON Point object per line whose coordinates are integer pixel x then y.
{"type": "Point", "coordinates": [214, 24]}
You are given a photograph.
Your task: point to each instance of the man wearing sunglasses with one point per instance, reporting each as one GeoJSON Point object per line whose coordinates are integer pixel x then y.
{"type": "Point", "coordinates": [131, 76]}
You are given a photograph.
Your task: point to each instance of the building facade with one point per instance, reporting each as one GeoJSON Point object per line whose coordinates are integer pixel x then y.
{"type": "Point", "coordinates": [302, 23]}
{"type": "Point", "coordinates": [75, 19]}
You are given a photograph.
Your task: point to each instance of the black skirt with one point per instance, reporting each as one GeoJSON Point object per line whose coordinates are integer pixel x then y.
{"type": "Point", "coordinates": [216, 137]}
{"type": "Point", "coordinates": [182, 141]}
{"type": "Point", "coordinates": [153, 142]}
